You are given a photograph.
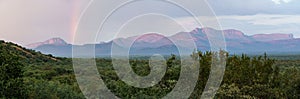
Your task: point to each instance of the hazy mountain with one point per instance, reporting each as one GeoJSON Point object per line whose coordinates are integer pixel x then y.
{"type": "Point", "coordinates": [236, 42]}
{"type": "Point", "coordinates": [53, 41]}
{"type": "Point", "coordinates": [271, 37]}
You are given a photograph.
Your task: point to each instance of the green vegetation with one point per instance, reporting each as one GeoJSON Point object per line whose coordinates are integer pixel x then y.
{"type": "Point", "coordinates": [11, 82]}
{"type": "Point", "coordinates": [29, 74]}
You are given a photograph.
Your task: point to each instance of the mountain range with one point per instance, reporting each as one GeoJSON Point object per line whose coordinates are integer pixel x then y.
{"type": "Point", "coordinates": [236, 42]}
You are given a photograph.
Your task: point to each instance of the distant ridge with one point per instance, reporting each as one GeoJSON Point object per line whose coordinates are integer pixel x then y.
{"type": "Point", "coordinates": [271, 37]}
{"type": "Point", "coordinates": [148, 44]}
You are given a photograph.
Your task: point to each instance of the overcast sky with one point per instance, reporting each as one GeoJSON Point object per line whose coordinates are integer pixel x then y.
{"type": "Point", "coordinates": [29, 21]}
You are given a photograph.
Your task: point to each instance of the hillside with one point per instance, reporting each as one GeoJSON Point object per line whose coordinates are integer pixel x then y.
{"type": "Point", "coordinates": [27, 74]}
{"type": "Point", "coordinates": [27, 55]}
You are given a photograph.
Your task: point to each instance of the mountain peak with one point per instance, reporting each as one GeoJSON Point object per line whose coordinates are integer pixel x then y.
{"type": "Point", "coordinates": [56, 41]}
{"type": "Point", "coordinates": [52, 41]}
{"type": "Point", "coordinates": [150, 38]}
{"type": "Point", "coordinates": [229, 33]}
{"type": "Point", "coordinates": [232, 33]}
{"type": "Point", "coordinates": [202, 30]}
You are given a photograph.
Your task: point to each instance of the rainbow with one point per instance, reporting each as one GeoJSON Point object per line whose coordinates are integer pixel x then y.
{"type": "Point", "coordinates": [74, 19]}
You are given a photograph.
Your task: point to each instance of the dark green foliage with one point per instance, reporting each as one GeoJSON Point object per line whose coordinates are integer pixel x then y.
{"type": "Point", "coordinates": [43, 89]}
{"type": "Point", "coordinates": [28, 74]}
{"type": "Point", "coordinates": [141, 67]}
{"type": "Point", "coordinates": [11, 82]}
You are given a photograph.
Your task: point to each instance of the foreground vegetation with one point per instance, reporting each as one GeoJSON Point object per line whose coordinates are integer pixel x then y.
{"type": "Point", "coordinates": [29, 74]}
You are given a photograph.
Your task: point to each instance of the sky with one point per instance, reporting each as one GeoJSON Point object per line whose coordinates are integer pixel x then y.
{"type": "Point", "coordinates": [30, 21]}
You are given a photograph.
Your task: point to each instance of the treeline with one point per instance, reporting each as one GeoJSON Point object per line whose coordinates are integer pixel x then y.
{"type": "Point", "coordinates": [251, 77]}
{"type": "Point", "coordinates": [245, 77]}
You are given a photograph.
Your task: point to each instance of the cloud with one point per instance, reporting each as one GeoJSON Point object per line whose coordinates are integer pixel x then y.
{"type": "Point", "coordinates": [281, 1]}
{"type": "Point", "coordinates": [252, 24]}
{"type": "Point", "coordinates": [253, 7]}
{"type": "Point", "coordinates": [260, 19]}
{"type": "Point", "coordinates": [264, 19]}
{"type": "Point", "coordinates": [277, 1]}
